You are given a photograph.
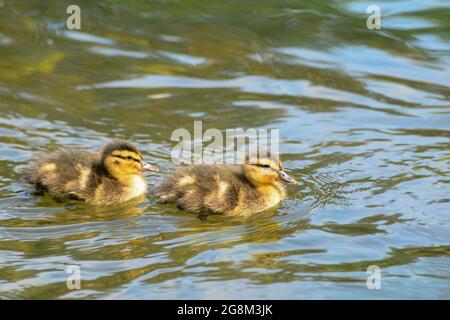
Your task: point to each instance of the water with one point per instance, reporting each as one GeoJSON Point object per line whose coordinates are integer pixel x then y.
{"type": "Point", "coordinates": [364, 125]}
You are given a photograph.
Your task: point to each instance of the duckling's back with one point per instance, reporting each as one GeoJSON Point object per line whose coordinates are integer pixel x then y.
{"type": "Point", "coordinates": [63, 173]}
{"type": "Point", "coordinates": [207, 188]}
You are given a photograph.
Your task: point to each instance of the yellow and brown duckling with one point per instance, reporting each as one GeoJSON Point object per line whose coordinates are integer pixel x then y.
{"type": "Point", "coordinates": [114, 175]}
{"type": "Point", "coordinates": [235, 190]}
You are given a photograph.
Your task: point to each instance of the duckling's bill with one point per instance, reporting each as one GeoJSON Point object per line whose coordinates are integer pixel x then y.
{"type": "Point", "coordinates": [148, 167]}
{"type": "Point", "coordinates": [284, 177]}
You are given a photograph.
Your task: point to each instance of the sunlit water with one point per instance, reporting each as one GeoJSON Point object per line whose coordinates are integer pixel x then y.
{"type": "Point", "coordinates": [364, 125]}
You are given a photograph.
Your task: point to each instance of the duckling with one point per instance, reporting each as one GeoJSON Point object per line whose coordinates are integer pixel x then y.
{"type": "Point", "coordinates": [235, 190]}
{"type": "Point", "coordinates": [111, 176]}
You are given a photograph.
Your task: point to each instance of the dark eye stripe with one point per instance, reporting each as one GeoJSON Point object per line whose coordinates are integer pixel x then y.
{"type": "Point", "coordinates": [264, 166]}
{"type": "Point", "coordinates": [127, 158]}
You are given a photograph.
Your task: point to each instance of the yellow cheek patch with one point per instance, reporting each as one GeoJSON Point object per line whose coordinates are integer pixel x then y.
{"type": "Point", "coordinates": [135, 165]}
{"type": "Point", "coordinates": [109, 161]}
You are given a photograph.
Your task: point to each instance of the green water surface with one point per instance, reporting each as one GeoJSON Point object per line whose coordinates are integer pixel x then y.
{"type": "Point", "coordinates": [364, 125]}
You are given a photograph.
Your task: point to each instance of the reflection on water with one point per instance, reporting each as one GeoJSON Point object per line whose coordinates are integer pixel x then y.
{"type": "Point", "coordinates": [363, 118]}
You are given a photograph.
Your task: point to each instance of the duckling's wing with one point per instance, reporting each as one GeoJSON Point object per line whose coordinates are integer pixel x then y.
{"type": "Point", "coordinates": [201, 188]}
{"type": "Point", "coordinates": [59, 172]}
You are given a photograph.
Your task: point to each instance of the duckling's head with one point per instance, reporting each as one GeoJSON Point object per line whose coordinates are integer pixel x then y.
{"type": "Point", "coordinates": [121, 159]}
{"type": "Point", "coordinates": [263, 167]}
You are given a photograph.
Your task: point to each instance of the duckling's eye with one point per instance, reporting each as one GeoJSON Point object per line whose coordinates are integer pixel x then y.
{"type": "Point", "coordinates": [130, 158]}
{"type": "Point", "coordinates": [264, 165]}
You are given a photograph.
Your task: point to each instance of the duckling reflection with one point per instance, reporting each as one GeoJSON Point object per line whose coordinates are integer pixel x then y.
{"type": "Point", "coordinates": [109, 177]}
{"type": "Point", "coordinates": [235, 190]}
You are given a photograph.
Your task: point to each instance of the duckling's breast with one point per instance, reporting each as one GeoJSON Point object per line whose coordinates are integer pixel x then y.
{"type": "Point", "coordinates": [136, 187]}
{"type": "Point", "coordinates": [271, 195]}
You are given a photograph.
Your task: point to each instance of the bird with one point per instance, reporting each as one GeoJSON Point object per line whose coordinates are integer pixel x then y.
{"type": "Point", "coordinates": [111, 176]}
{"type": "Point", "coordinates": [233, 190]}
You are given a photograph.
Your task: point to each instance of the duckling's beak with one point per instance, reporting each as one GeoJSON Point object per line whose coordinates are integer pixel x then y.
{"type": "Point", "coordinates": [283, 176]}
{"type": "Point", "coordinates": [147, 167]}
